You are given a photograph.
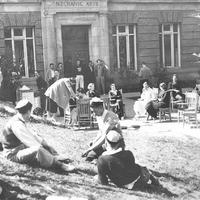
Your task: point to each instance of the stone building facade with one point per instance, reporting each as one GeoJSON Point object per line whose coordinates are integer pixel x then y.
{"type": "Point", "coordinates": [124, 33]}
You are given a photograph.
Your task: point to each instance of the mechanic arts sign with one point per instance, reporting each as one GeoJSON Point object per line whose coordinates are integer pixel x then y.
{"type": "Point", "coordinates": [77, 3]}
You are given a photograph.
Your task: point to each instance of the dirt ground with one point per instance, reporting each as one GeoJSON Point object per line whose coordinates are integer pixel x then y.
{"type": "Point", "coordinates": [169, 151]}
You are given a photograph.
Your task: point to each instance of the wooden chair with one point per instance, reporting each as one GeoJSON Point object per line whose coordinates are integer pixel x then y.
{"type": "Point", "coordinates": [166, 111]}
{"type": "Point", "coordinates": [190, 113]}
{"type": "Point", "coordinates": [84, 112]}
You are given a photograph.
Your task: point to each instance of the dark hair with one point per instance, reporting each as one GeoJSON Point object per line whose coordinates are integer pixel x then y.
{"type": "Point", "coordinates": [143, 63]}
{"type": "Point", "coordinates": [51, 64]}
{"type": "Point", "coordinates": [96, 105]}
{"type": "Point", "coordinates": [26, 108]}
{"type": "Point", "coordinates": [81, 90]}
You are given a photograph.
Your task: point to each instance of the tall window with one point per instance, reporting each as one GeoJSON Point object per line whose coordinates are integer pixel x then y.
{"type": "Point", "coordinates": [20, 44]}
{"type": "Point", "coordinates": [124, 46]}
{"type": "Point", "coordinates": [169, 38]}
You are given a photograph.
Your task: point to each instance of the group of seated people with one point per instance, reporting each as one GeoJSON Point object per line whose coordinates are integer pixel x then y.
{"type": "Point", "coordinates": [151, 100]}
{"type": "Point", "coordinates": [114, 162]}
{"type": "Point", "coordinates": [61, 95]}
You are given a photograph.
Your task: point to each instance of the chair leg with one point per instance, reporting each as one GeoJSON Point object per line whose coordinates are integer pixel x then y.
{"type": "Point", "coordinates": [170, 117]}
{"type": "Point", "coordinates": [160, 115]}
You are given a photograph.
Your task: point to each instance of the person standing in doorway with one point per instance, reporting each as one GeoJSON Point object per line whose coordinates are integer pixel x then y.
{"type": "Point", "coordinates": [69, 69]}
{"type": "Point", "coordinates": [89, 75]}
{"type": "Point", "coordinates": [100, 71]}
{"type": "Point", "coordinates": [50, 74]}
{"type": "Point", "coordinates": [79, 75]}
{"type": "Point", "coordinates": [145, 75]}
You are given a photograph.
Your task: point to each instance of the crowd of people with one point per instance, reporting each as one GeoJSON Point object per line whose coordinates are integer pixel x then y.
{"type": "Point", "coordinates": [61, 92]}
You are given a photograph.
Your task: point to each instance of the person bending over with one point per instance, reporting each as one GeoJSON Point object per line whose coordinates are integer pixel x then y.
{"type": "Point", "coordinates": [119, 166]}
{"type": "Point", "coordinates": [23, 146]}
{"type": "Point", "coordinates": [107, 120]}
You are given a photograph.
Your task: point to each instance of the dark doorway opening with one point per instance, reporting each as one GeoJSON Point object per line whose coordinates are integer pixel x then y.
{"type": "Point", "coordinates": [75, 46]}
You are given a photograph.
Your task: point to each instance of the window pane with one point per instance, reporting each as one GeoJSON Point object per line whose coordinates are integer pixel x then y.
{"type": "Point", "coordinates": [161, 50]}
{"type": "Point", "coordinates": [18, 32]}
{"type": "Point", "coordinates": [166, 27]}
{"type": "Point", "coordinates": [132, 55]}
{"type": "Point", "coordinates": [122, 52]}
{"type": "Point", "coordinates": [160, 28]}
{"type": "Point", "coordinates": [30, 55]}
{"type": "Point", "coordinates": [121, 29]}
{"type": "Point", "coordinates": [131, 29]}
{"type": "Point", "coordinates": [19, 56]}
{"type": "Point", "coordinates": [176, 50]}
{"type": "Point", "coordinates": [7, 32]}
{"type": "Point", "coordinates": [8, 49]}
{"type": "Point", "coordinates": [29, 32]}
{"type": "Point", "coordinates": [167, 47]}
{"type": "Point", "coordinates": [114, 30]}
{"type": "Point", "coordinates": [175, 27]}
{"type": "Point", "coordinates": [115, 52]}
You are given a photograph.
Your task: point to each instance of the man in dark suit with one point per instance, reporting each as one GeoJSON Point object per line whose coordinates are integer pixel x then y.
{"type": "Point", "coordinates": [89, 75]}
{"type": "Point", "coordinates": [69, 70]}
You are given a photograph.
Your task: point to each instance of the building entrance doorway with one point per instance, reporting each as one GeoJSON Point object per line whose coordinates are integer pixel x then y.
{"type": "Point", "coordinates": [75, 46]}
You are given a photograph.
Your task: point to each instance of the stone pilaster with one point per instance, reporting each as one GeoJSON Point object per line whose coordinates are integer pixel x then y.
{"type": "Point", "coordinates": [104, 35]}
{"type": "Point", "coordinates": [49, 40]}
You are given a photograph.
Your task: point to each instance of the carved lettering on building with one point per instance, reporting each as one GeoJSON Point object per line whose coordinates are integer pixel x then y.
{"type": "Point", "coordinates": [77, 3]}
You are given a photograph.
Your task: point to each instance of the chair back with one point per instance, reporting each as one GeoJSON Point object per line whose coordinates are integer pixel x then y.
{"type": "Point", "coordinates": [83, 106]}
{"type": "Point", "coordinates": [192, 100]}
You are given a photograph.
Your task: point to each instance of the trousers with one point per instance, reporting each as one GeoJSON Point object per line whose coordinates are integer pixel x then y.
{"type": "Point", "coordinates": [79, 81]}
{"type": "Point", "coordinates": [100, 82]}
{"type": "Point", "coordinates": [32, 155]}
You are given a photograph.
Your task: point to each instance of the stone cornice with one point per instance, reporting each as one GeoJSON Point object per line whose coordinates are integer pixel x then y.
{"type": "Point", "coordinates": [154, 1]}
{"type": "Point", "coordinates": [20, 1]}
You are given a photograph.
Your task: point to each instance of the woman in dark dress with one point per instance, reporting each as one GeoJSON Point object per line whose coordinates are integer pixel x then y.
{"type": "Point", "coordinates": [116, 102]}
{"type": "Point", "coordinates": [162, 102]}
{"type": "Point", "coordinates": [91, 91]}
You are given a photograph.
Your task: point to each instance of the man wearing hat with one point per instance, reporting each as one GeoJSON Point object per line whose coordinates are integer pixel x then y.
{"type": "Point", "coordinates": [23, 146]}
{"type": "Point", "coordinates": [107, 120]}
{"type": "Point", "coordinates": [119, 165]}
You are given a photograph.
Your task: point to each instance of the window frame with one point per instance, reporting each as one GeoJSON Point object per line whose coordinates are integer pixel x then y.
{"type": "Point", "coordinates": [24, 38]}
{"type": "Point", "coordinates": [117, 34]}
{"type": "Point", "coordinates": [171, 32]}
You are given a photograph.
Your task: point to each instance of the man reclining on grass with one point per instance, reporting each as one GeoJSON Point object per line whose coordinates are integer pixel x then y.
{"type": "Point", "coordinates": [23, 146]}
{"type": "Point", "coordinates": [107, 120]}
{"type": "Point", "coordinates": [119, 166]}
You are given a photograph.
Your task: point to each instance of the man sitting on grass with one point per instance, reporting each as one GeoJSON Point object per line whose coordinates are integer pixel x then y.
{"type": "Point", "coordinates": [119, 166]}
{"type": "Point", "coordinates": [107, 120]}
{"type": "Point", "coordinates": [23, 146]}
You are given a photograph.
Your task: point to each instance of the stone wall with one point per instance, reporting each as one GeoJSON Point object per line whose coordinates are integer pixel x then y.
{"type": "Point", "coordinates": [148, 49]}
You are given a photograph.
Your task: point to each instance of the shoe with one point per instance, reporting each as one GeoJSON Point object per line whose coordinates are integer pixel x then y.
{"type": "Point", "coordinates": [68, 168]}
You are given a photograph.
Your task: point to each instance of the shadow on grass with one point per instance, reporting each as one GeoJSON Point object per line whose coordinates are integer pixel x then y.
{"type": "Point", "coordinates": [166, 175]}
{"type": "Point", "coordinates": [11, 192]}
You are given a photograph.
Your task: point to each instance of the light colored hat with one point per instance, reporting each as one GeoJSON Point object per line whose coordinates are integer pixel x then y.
{"type": "Point", "coordinates": [113, 136]}
{"type": "Point", "coordinates": [22, 103]}
{"type": "Point", "coordinates": [96, 102]}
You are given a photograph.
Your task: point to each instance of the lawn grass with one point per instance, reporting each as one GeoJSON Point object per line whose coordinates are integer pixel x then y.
{"type": "Point", "coordinates": [174, 160]}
